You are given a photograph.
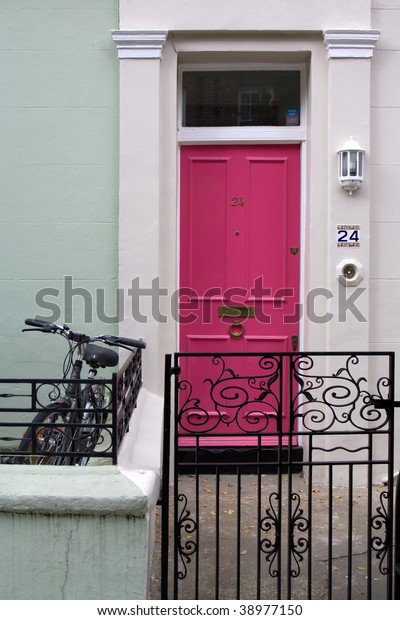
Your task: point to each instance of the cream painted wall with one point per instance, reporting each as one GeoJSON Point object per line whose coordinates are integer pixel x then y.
{"type": "Point", "coordinates": [149, 193]}
{"type": "Point", "coordinates": [235, 15]}
{"type": "Point", "coordinates": [385, 178]}
{"type": "Point", "coordinates": [139, 210]}
{"type": "Point", "coordinates": [385, 188]}
{"type": "Point", "coordinates": [349, 114]}
{"type": "Point", "coordinates": [338, 106]}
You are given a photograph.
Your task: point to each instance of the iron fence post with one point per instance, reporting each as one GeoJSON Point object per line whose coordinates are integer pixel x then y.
{"type": "Point", "coordinates": [114, 419]}
{"type": "Point", "coordinates": [397, 542]}
{"type": "Point", "coordinates": [166, 477]}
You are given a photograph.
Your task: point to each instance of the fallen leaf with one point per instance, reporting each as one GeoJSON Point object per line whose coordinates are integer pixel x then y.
{"type": "Point", "coordinates": [243, 552]}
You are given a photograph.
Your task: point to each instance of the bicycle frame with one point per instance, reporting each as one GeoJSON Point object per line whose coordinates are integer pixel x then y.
{"type": "Point", "coordinates": [74, 392]}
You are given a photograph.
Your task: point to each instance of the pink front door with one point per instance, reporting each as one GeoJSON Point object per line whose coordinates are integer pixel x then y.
{"type": "Point", "coordinates": [239, 254]}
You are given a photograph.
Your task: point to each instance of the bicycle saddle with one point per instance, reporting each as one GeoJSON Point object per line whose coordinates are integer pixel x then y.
{"type": "Point", "coordinates": [97, 356]}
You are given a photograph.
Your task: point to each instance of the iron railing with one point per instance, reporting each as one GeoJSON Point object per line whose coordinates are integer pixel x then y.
{"type": "Point", "coordinates": [282, 477]}
{"type": "Point", "coordinates": [22, 399]}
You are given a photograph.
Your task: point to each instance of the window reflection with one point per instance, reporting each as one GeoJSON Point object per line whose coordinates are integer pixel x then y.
{"type": "Point", "coordinates": [247, 98]}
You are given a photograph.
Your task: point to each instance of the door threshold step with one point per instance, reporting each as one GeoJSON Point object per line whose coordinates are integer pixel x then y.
{"type": "Point", "coordinates": [267, 459]}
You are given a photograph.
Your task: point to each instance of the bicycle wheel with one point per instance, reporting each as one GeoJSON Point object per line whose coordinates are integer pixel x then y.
{"type": "Point", "coordinates": [46, 441]}
{"type": "Point", "coordinates": [94, 402]}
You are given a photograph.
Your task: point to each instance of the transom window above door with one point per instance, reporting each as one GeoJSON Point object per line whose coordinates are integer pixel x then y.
{"type": "Point", "coordinates": [240, 98]}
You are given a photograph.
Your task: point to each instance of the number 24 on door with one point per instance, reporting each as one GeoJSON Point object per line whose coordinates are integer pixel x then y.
{"type": "Point", "coordinates": [237, 202]}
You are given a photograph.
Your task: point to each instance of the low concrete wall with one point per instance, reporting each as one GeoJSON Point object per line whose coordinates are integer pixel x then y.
{"type": "Point", "coordinates": [83, 533]}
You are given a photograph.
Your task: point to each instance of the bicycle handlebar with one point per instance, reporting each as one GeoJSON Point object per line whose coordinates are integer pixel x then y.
{"type": "Point", "coordinates": [116, 341]}
{"type": "Point", "coordinates": [127, 342]}
{"type": "Point", "coordinates": [43, 325]}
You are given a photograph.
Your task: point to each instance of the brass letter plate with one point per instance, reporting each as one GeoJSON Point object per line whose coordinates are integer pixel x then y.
{"type": "Point", "coordinates": [236, 312]}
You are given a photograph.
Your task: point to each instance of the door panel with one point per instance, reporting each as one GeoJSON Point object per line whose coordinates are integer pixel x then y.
{"type": "Point", "coordinates": [204, 244]}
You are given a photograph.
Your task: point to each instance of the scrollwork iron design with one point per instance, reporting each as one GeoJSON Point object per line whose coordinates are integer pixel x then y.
{"type": "Point", "coordinates": [46, 393]}
{"type": "Point", "coordinates": [298, 545]}
{"type": "Point", "coordinates": [251, 403]}
{"type": "Point", "coordinates": [128, 384]}
{"type": "Point", "coordinates": [186, 547]}
{"type": "Point", "coordinates": [381, 521]}
{"type": "Point", "coordinates": [246, 403]}
{"type": "Point", "coordinates": [322, 401]}
{"type": "Point", "coordinates": [270, 524]}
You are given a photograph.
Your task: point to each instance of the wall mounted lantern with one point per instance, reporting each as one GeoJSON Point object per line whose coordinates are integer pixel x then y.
{"type": "Point", "coordinates": [351, 165]}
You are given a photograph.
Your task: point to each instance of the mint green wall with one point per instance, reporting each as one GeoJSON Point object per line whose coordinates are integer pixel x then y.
{"type": "Point", "coordinates": [59, 172]}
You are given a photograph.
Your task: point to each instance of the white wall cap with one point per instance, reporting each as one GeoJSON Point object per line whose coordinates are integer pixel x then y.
{"type": "Point", "coordinates": [97, 490]}
{"type": "Point", "coordinates": [349, 43]}
{"type": "Point", "coordinates": [139, 43]}
{"type": "Point", "coordinates": [140, 455]}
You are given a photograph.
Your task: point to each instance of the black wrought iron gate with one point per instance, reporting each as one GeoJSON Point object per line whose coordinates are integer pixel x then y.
{"type": "Point", "coordinates": [278, 478]}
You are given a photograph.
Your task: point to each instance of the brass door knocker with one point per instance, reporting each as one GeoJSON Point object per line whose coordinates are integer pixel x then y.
{"type": "Point", "coordinates": [236, 329]}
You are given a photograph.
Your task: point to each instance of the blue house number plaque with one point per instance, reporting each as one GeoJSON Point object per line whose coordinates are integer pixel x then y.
{"type": "Point", "coordinates": [348, 236]}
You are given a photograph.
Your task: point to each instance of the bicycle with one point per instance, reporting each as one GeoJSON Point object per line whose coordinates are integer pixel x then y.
{"type": "Point", "coordinates": [68, 429]}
